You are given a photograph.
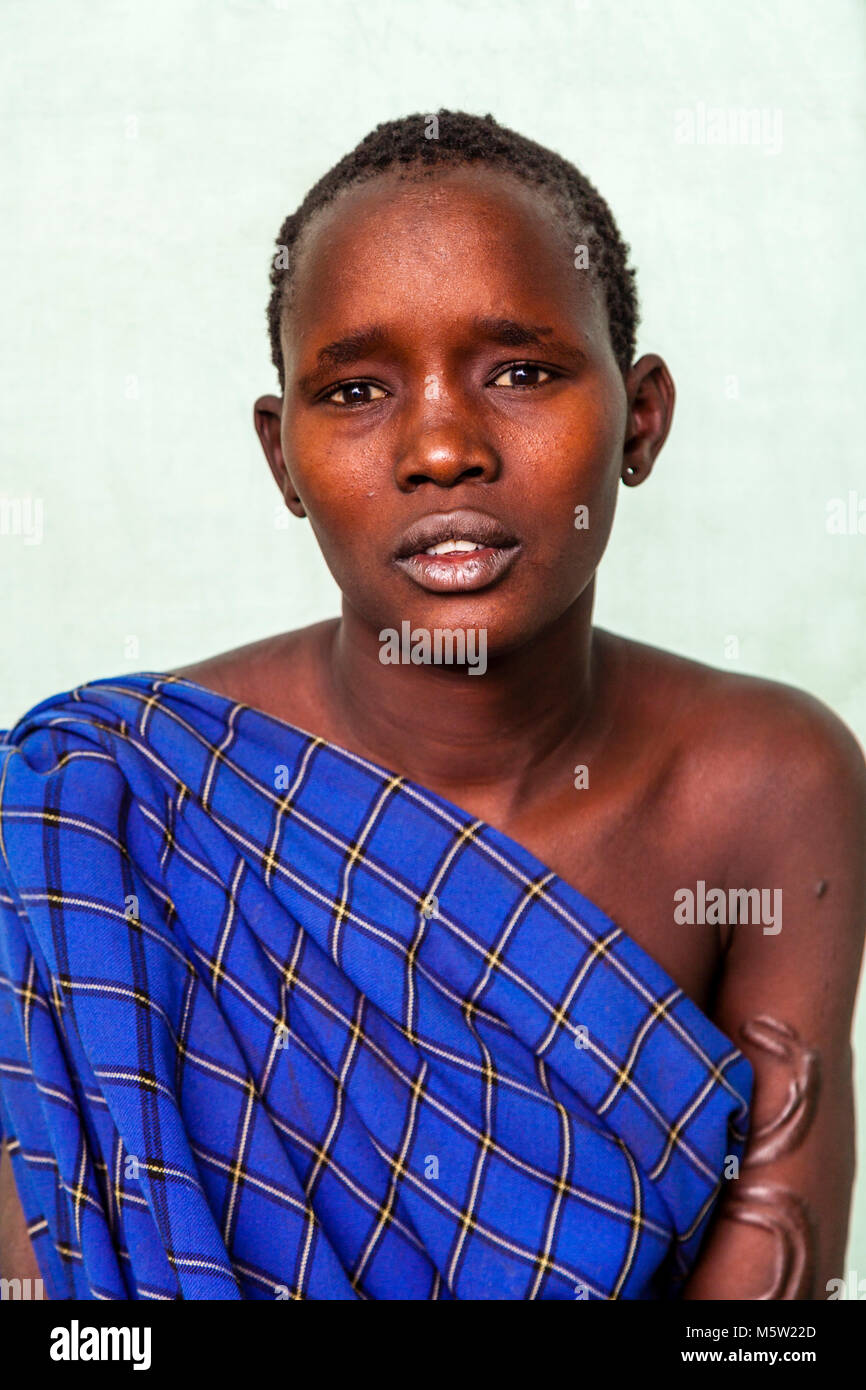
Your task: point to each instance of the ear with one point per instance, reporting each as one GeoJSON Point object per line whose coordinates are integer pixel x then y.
{"type": "Point", "coordinates": [267, 416]}
{"type": "Point", "coordinates": [650, 393]}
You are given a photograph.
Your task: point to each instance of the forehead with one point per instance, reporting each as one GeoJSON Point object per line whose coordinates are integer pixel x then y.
{"type": "Point", "coordinates": [463, 243]}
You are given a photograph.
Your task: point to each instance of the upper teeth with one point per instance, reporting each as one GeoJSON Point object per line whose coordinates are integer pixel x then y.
{"type": "Point", "coordinates": [444, 546]}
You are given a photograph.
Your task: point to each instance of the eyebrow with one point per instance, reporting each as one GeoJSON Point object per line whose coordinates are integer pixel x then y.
{"type": "Point", "coordinates": [342, 352]}
{"type": "Point", "coordinates": [512, 333]}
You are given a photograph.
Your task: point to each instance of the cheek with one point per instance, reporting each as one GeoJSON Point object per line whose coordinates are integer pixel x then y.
{"type": "Point", "coordinates": [339, 494]}
{"type": "Point", "coordinates": [593, 429]}
{"type": "Point", "coordinates": [571, 473]}
{"type": "Point", "coordinates": [331, 477]}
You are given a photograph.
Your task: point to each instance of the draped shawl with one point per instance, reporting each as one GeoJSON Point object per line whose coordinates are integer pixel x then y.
{"type": "Point", "coordinates": [277, 1023]}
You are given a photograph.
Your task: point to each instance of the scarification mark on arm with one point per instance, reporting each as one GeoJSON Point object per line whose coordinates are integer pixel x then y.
{"type": "Point", "coordinates": [788, 1219]}
{"type": "Point", "coordinates": [787, 1129]}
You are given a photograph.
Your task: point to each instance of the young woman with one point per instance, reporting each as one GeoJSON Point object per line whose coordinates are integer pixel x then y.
{"type": "Point", "coordinates": [452, 948]}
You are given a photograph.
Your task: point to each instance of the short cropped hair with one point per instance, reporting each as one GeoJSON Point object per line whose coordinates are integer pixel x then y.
{"type": "Point", "coordinates": [454, 138]}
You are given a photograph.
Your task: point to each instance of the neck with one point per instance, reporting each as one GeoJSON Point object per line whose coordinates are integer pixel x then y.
{"type": "Point", "coordinates": [504, 731]}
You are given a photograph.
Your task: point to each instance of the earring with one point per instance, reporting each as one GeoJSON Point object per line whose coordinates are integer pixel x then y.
{"type": "Point", "coordinates": [630, 473]}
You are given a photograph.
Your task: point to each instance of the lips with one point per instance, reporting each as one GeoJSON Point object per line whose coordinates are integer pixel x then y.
{"type": "Point", "coordinates": [480, 552]}
{"type": "Point", "coordinates": [464, 524]}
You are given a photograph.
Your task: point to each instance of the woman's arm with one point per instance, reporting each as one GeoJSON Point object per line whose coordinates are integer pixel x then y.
{"type": "Point", "coordinates": [17, 1260]}
{"type": "Point", "coordinates": [787, 999]}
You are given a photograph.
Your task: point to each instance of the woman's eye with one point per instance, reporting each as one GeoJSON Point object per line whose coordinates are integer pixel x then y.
{"type": "Point", "coordinates": [356, 393]}
{"type": "Point", "coordinates": [523, 374]}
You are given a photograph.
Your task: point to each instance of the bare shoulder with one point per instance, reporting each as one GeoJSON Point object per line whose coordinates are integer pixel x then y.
{"type": "Point", "coordinates": [224, 670]}
{"type": "Point", "coordinates": [766, 724]}
{"type": "Point", "coordinates": [255, 673]}
{"type": "Point", "coordinates": [761, 759]}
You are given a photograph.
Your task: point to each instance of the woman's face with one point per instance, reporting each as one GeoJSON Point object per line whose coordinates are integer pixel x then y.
{"type": "Point", "coordinates": [443, 355]}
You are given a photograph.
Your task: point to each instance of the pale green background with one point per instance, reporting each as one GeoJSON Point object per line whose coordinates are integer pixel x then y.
{"type": "Point", "coordinates": [149, 154]}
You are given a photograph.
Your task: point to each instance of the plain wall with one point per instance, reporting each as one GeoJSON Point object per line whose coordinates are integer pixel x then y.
{"type": "Point", "coordinates": [149, 155]}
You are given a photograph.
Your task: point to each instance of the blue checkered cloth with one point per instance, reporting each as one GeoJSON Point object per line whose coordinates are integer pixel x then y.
{"type": "Point", "coordinates": [276, 1023]}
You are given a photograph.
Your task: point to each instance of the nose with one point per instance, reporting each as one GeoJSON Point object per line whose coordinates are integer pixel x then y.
{"type": "Point", "coordinates": [445, 451]}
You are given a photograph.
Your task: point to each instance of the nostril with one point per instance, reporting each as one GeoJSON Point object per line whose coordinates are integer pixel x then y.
{"type": "Point", "coordinates": [446, 458]}
{"type": "Point", "coordinates": [466, 475]}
